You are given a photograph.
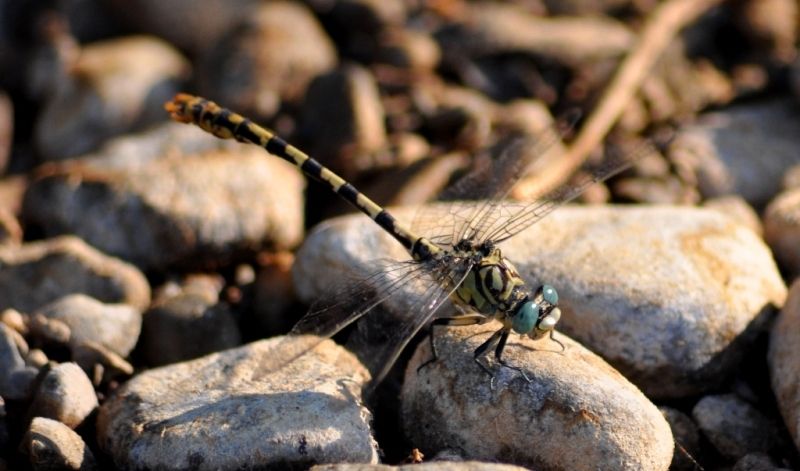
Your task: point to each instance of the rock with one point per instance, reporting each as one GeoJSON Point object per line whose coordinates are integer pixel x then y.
{"type": "Point", "coordinates": [733, 426]}
{"type": "Point", "coordinates": [209, 414]}
{"type": "Point", "coordinates": [769, 24]}
{"type": "Point", "coordinates": [66, 395]}
{"type": "Point", "coordinates": [784, 368]}
{"type": "Point", "coordinates": [6, 129]}
{"type": "Point", "coordinates": [452, 404]}
{"type": "Point", "coordinates": [187, 325]}
{"type": "Point", "coordinates": [38, 273]}
{"type": "Point", "coordinates": [116, 326]}
{"type": "Point", "coordinates": [36, 358]}
{"type": "Point", "coordinates": [687, 439]}
{"type": "Point", "coordinates": [505, 28]}
{"type": "Point", "coordinates": [757, 462]}
{"type": "Point", "coordinates": [737, 208]}
{"type": "Point", "coordinates": [202, 22]}
{"type": "Point", "coordinates": [360, 26]}
{"type": "Point", "coordinates": [16, 380]}
{"type": "Point", "coordinates": [88, 107]}
{"type": "Point", "coordinates": [273, 294]}
{"type": "Point", "coordinates": [429, 466]}
{"type": "Point", "coordinates": [48, 330]}
{"type": "Point", "coordinates": [193, 210]}
{"type": "Point", "coordinates": [266, 61]}
{"type": "Point", "coordinates": [51, 445]}
{"type": "Point", "coordinates": [410, 49]}
{"type": "Point", "coordinates": [342, 120]}
{"type": "Point", "coordinates": [782, 230]}
{"type": "Point", "coordinates": [674, 307]}
{"type": "Point", "coordinates": [718, 150]}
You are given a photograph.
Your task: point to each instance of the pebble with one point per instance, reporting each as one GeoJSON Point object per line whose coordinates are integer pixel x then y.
{"type": "Point", "coordinates": [6, 129]}
{"type": "Point", "coordinates": [736, 208]}
{"type": "Point", "coordinates": [674, 308]}
{"type": "Point", "coordinates": [208, 413]}
{"type": "Point", "coordinates": [104, 364]}
{"type": "Point", "coordinates": [782, 230]}
{"type": "Point", "coordinates": [65, 394]}
{"type": "Point", "coordinates": [48, 330]}
{"type": "Point", "coordinates": [51, 445]}
{"type": "Point", "coordinates": [734, 427]}
{"type": "Point", "coordinates": [429, 466]}
{"type": "Point", "coordinates": [116, 326]}
{"type": "Point", "coordinates": [38, 273]}
{"type": "Point", "coordinates": [360, 26]}
{"type": "Point", "coordinates": [273, 293]}
{"type": "Point", "coordinates": [784, 368]}
{"type": "Point", "coordinates": [267, 61]}
{"type": "Point", "coordinates": [88, 107]}
{"type": "Point", "coordinates": [718, 150]}
{"type": "Point", "coordinates": [342, 120]}
{"type": "Point", "coordinates": [187, 325]}
{"type": "Point", "coordinates": [757, 462]}
{"type": "Point", "coordinates": [452, 404]}
{"type": "Point", "coordinates": [16, 379]}
{"type": "Point", "coordinates": [194, 210]}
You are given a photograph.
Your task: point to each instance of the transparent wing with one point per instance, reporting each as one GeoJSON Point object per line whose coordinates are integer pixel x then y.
{"type": "Point", "coordinates": [492, 177]}
{"type": "Point", "coordinates": [404, 323]}
{"type": "Point", "coordinates": [348, 302]}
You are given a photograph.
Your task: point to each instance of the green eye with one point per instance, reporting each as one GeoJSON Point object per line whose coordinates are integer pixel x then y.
{"type": "Point", "coordinates": [549, 294]}
{"type": "Point", "coordinates": [525, 318]}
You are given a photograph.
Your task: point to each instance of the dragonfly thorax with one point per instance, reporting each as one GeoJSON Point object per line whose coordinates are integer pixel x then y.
{"type": "Point", "coordinates": [493, 285]}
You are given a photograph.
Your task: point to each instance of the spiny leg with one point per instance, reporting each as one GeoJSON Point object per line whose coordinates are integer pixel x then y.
{"type": "Point", "coordinates": [467, 319]}
{"type": "Point", "coordinates": [498, 354]}
{"type": "Point", "coordinates": [481, 350]}
{"type": "Point", "coordinates": [552, 337]}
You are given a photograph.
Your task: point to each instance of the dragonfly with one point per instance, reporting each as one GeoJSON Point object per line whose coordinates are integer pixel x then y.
{"type": "Point", "coordinates": [458, 260]}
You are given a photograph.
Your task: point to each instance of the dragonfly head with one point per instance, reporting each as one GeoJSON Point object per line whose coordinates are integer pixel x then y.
{"type": "Point", "coordinates": [537, 316]}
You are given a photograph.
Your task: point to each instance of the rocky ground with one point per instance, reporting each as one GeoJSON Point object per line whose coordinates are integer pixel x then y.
{"type": "Point", "coordinates": [149, 272]}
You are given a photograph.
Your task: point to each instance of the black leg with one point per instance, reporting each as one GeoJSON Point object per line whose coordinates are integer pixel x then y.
{"type": "Point", "coordinates": [468, 319]}
{"type": "Point", "coordinates": [498, 354]}
{"type": "Point", "coordinates": [481, 350]}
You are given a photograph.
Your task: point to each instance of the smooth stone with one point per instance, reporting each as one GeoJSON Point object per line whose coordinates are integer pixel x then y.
{"type": "Point", "coordinates": [734, 427]}
{"type": "Point", "coordinates": [738, 209]}
{"type": "Point", "coordinates": [757, 462]}
{"type": "Point", "coordinates": [342, 120]}
{"type": "Point", "coordinates": [116, 326]}
{"type": "Point", "coordinates": [16, 379]}
{"type": "Point", "coordinates": [209, 413]}
{"type": "Point", "coordinates": [267, 61]}
{"type": "Point", "coordinates": [784, 367]}
{"type": "Point", "coordinates": [38, 273]}
{"type": "Point", "coordinates": [187, 325]}
{"type": "Point", "coordinates": [65, 394]}
{"type": "Point", "coordinates": [670, 296]}
{"type": "Point", "coordinates": [51, 445]}
{"type": "Point", "coordinates": [429, 466]}
{"type": "Point", "coordinates": [718, 150]}
{"type": "Point", "coordinates": [87, 107]}
{"type": "Point", "coordinates": [190, 209]}
{"type": "Point", "coordinates": [782, 230]}
{"type": "Point", "coordinates": [10, 230]}
{"type": "Point", "coordinates": [102, 362]}
{"type": "Point", "coordinates": [453, 403]}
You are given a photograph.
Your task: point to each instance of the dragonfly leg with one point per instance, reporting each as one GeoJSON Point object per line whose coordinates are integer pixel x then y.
{"type": "Point", "coordinates": [468, 319]}
{"type": "Point", "coordinates": [557, 341]}
{"type": "Point", "coordinates": [498, 354]}
{"type": "Point", "coordinates": [481, 350]}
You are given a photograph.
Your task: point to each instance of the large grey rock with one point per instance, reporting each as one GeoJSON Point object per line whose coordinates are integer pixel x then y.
{"type": "Point", "coordinates": [115, 326]}
{"type": "Point", "coordinates": [734, 427]}
{"type": "Point", "coordinates": [186, 209]}
{"type": "Point", "coordinates": [451, 404]}
{"type": "Point", "coordinates": [670, 296]}
{"type": "Point", "coordinates": [52, 445]}
{"type": "Point", "coordinates": [38, 273]}
{"type": "Point", "coordinates": [209, 413]}
{"type": "Point", "coordinates": [720, 149]}
{"type": "Point", "coordinates": [107, 92]}
{"type": "Point", "coordinates": [784, 362]}
{"type": "Point", "coordinates": [430, 466]}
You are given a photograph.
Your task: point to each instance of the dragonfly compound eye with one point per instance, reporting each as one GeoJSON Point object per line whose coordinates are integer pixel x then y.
{"type": "Point", "coordinates": [550, 295]}
{"type": "Point", "coordinates": [526, 317]}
